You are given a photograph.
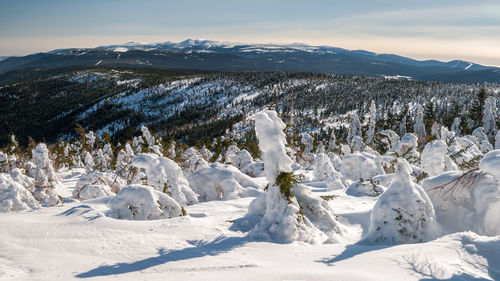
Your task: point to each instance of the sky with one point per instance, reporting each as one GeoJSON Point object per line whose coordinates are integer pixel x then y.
{"type": "Point", "coordinates": [423, 29]}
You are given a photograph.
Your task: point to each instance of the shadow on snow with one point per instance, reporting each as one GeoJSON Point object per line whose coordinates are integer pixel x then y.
{"type": "Point", "coordinates": [200, 249]}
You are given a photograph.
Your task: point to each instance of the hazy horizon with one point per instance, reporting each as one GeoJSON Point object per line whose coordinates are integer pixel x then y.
{"type": "Point", "coordinates": [444, 30]}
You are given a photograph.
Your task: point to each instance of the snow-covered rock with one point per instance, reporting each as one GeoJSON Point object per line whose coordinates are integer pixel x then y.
{"type": "Point", "coordinates": [403, 213]}
{"type": "Point", "coordinates": [140, 202]}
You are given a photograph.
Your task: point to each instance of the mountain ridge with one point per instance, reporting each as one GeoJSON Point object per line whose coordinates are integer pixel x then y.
{"type": "Point", "coordinates": [210, 55]}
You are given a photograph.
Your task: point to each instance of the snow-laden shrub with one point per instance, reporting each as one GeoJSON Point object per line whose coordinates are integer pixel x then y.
{"type": "Point", "coordinates": [165, 175]}
{"type": "Point", "coordinates": [154, 144]}
{"type": "Point", "coordinates": [140, 202]}
{"type": "Point", "coordinates": [45, 176]}
{"type": "Point", "coordinates": [491, 164]}
{"type": "Point", "coordinates": [276, 215]}
{"type": "Point", "coordinates": [222, 182]}
{"type": "Point", "coordinates": [43, 170]}
{"type": "Point", "coordinates": [206, 154]}
{"type": "Point", "coordinates": [357, 143]}
{"type": "Point", "coordinates": [97, 184]}
{"type": "Point", "coordinates": [14, 197]}
{"type": "Point", "coordinates": [244, 161]}
{"type": "Point", "coordinates": [359, 166]}
{"type": "Point", "coordinates": [403, 213]}
{"type": "Point", "coordinates": [194, 161]}
{"type": "Point", "coordinates": [407, 148]}
{"type": "Point", "coordinates": [323, 170]}
{"type": "Point", "coordinates": [482, 140]}
{"type": "Point", "coordinates": [18, 176]}
{"type": "Point", "coordinates": [123, 163]}
{"type": "Point", "coordinates": [89, 161]}
{"type": "Point", "coordinates": [93, 191]}
{"type": "Point", "coordinates": [465, 201]}
{"type": "Point", "coordinates": [390, 139]}
{"type": "Point", "coordinates": [230, 154]}
{"type": "Point", "coordinates": [365, 188]}
{"type": "Point", "coordinates": [435, 159]}
{"type": "Point", "coordinates": [464, 152]}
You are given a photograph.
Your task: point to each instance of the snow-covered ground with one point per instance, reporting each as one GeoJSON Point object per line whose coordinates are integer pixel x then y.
{"type": "Point", "coordinates": [76, 240]}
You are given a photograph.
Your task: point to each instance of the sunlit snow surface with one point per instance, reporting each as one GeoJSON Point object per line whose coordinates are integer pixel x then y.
{"type": "Point", "coordinates": [76, 240]}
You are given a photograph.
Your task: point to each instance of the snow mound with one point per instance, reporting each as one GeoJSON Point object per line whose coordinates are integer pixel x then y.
{"type": "Point", "coordinates": [140, 202]}
{"type": "Point", "coordinates": [222, 182]}
{"type": "Point", "coordinates": [403, 213]}
{"type": "Point", "coordinates": [165, 175]}
{"type": "Point", "coordinates": [14, 197]}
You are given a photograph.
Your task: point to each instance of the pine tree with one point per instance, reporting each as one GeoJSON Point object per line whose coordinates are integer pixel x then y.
{"type": "Point", "coordinates": [476, 112]}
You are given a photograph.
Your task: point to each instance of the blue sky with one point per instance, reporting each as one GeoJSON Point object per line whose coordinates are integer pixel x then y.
{"type": "Point", "coordinates": [441, 29]}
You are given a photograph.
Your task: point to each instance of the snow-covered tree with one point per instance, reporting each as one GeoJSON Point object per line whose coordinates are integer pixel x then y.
{"type": "Point", "coordinates": [280, 216]}
{"type": "Point", "coordinates": [89, 161]}
{"type": "Point", "coordinates": [354, 127]}
{"type": "Point", "coordinates": [419, 125]}
{"type": "Point", "coordinates": [165, 175]}
{"type": "Point", "coordinates": [46, 177]}
{"type": "Point", "coordinates": [403, 213]}
{"type": "Point", "coordinates": [489, 118]}
{"type": "Point", "coordinates": [456, 127]}
{"type": "Point", "coordinates": [371, 124]}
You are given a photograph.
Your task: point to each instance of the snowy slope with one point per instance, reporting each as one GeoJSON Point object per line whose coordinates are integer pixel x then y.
{"type": "Point", "coordinates": [77, 241]}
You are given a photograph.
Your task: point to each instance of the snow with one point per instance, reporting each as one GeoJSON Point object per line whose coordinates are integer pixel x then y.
{"type": "Point", "coordinates": [358, 216]}
{"type": "Point", "coordinates": [120, 50]}
{"type": "Point", "coordinates": [78, 241]}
